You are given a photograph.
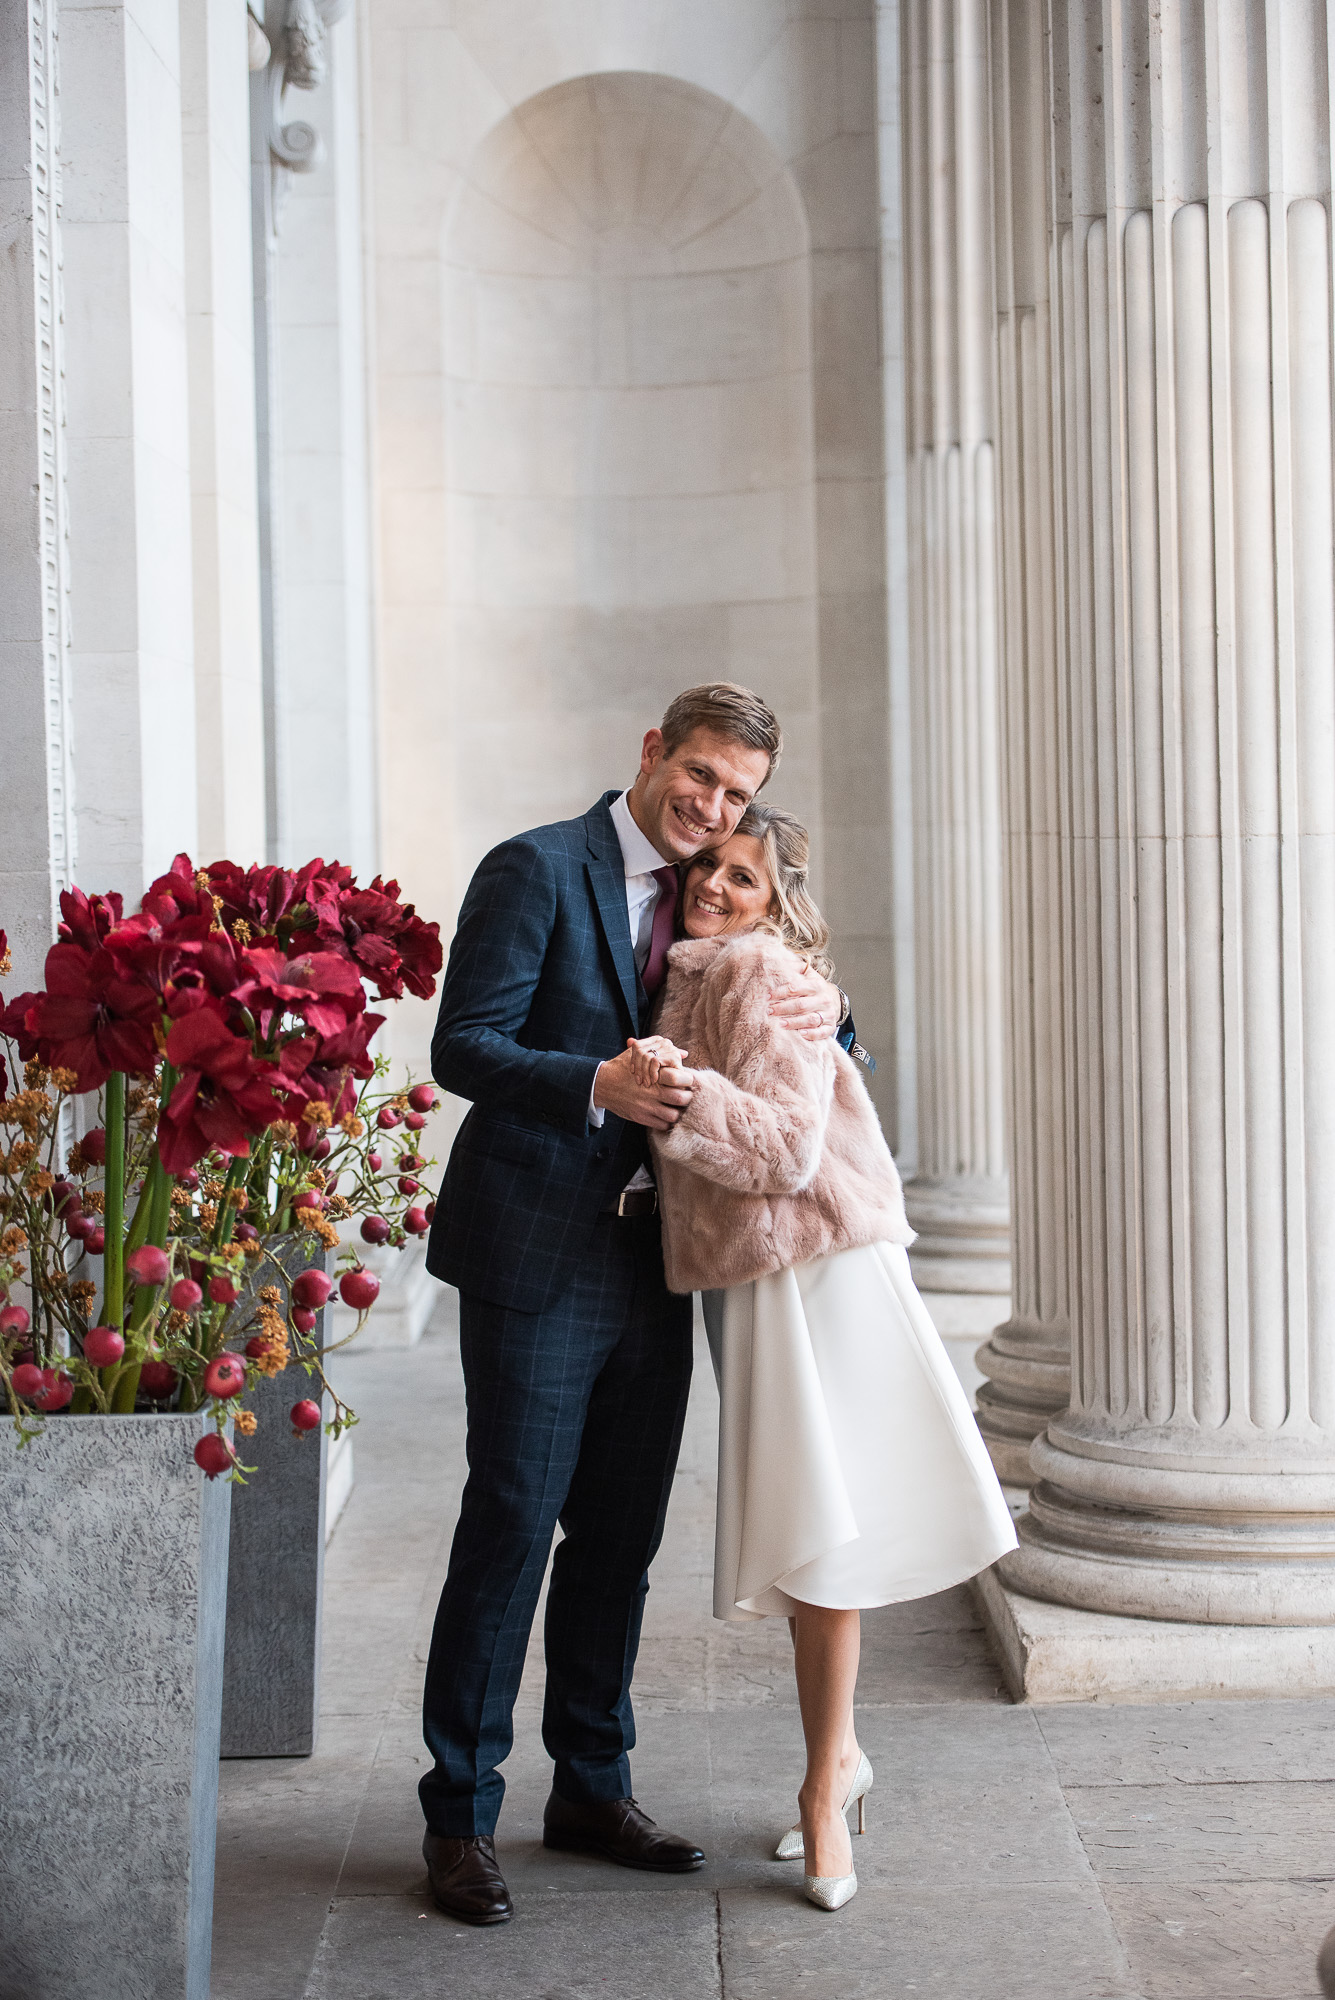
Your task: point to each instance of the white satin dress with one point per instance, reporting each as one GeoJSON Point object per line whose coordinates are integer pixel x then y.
{"type": "Point", "coordinates": [851, 1471]}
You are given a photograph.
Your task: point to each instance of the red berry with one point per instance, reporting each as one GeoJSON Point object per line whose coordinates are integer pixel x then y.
{"type": "Point", "coordinates": [375, 1161]}
{"type": "Point", "coordinates": [185, 1295]}
{"type": "Point", "coordinates": [189, 1179]}
{"type": "Point", "coordinates": [415, 1222]}
{"type": "Point", "coordinates": [93, 1146]}
{"type": "Point", "coordinates": [57, 1391]}
{"type": "Point", "coordinates": [14, 1319]}
{"type": "Point", "coordinates": [256, 1346]}
{"type": "Point", "coordinates": [96, 1243]}
{"type": "Point", "coordinates": [64, 1193]}
{"type": "Point", "coordinates": [422, 1097]}
{"type": "Point", "coordinates": [311, 1288]}
{"type": "Point", "coordinates": [27, 1380]}
{"type": "Point", "coordinates": [375, 1229]}
{"type": "Point", "coordinates": [222, 1291]}
{"type": "Point", "coordinates": [148, 1265]}
{"type": "Point", "coordinates": [199, 1270]}
{"type": "Point", "coordinates": [303, 1319]}
{"type": "Point", "coordinates": [410, 1162]}
{"type": "Point", "coordinates": [157, 1380]}
{"type": "Point", "coordinates": [331, 1186]}
{"type": "Point", "coordinates": [213, 1454]}
{"type": "Point", "coordinates": [308, 1198]}
{"type": "Point", "coordinates": [79, 1225]}
{"type": "Point", "coordinates": [430, 1211]}
{"type": "Point", "coordinates": [359, 1288]}
{"type": "Point", "coordinates": [225, 1376]}
{"type": "Point", "coordinates": [103, 1347]}
{"type": "Point", "coordinates": [387, 1118]}
{"type": "Point", "coordinates": [414, 1121]}
{"type": "Point", "coordinates": [245, 1232]}
{"type": "Point", "coordinates": [305, 1415]}
{"type": "Point", "coordinates": [407, 1185]}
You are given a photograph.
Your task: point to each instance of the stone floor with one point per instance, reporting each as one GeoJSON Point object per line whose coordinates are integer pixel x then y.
{"type": "Point", "coordinates": [1011, 1853]}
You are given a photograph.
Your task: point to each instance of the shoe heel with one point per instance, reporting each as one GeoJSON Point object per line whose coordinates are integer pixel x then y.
{"type": "Point", "coordinates": [862, 1813]}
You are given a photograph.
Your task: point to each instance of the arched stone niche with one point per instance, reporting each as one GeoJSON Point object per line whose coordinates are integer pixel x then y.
{"type": "Point", "coordinates": [629, 461]}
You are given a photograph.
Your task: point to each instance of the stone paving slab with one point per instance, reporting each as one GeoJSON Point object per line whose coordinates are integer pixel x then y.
{"type": "Point", "coordinates": [932, 1944]}
{"type": "Point", "coordinates": [1203, 1833]}
{"type": "Point", "coordinates": [1192, 1743]}
{"type": "Point", "coordinates": [1216, 1941]}
{"type": "Point", "coordinates": [561, 1947]}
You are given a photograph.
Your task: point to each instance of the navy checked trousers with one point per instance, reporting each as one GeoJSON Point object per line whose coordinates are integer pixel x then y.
{"type": "Point", "coordinates": [574, 1416]}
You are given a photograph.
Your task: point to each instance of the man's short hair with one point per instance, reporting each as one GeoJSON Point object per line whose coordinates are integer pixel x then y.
{"type": "Point", "coordinates": [732, 712]}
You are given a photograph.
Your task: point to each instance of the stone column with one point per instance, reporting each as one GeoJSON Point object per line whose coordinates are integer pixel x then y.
{"type": "Point", "coordinates": [127, 441]}
{"type": "Point", "coordinates": [957, 1200]}
{"type": "Point", "coordinates": [1193, 1476]}
{"type": "Point", "coordinates": [36, 805]}
{"type": "Point", "coordinates": [1027, 1361]}
{"type": "Point", "coordinates": [215, 108]}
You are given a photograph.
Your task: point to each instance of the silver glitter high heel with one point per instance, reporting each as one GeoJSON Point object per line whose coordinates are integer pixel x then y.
{"type": "Point", "coordinates": [830, 1892]}
{"type": "Point", "coordinates": [790, 1847]}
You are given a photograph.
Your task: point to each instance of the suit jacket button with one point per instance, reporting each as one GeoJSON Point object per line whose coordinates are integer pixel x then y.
{"type": "Point", "coordinates": [601, 1154]}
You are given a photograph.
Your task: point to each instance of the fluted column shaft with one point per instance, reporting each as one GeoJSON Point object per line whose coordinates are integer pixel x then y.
{"type": "Point", "coordinates": [1193, 1475]}
{"type": "Point", "coordinates": [958, 1198]}
{"type": "Point", "coordinates": [1027, 1361]}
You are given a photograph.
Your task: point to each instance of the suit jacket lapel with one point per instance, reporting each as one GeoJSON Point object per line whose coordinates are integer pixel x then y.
{"type": "Point", "coordinates": [607, 875]}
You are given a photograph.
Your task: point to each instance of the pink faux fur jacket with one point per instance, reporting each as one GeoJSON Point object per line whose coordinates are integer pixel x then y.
{"type": "Point", "coordinates": [780, 1157]}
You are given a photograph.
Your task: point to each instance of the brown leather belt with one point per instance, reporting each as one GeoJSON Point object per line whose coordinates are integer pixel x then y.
{"type": "Point", "coordinates": [634, 1201]}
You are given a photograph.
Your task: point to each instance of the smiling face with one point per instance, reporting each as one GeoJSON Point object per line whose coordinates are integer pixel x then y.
{"type": "Point", "coordinates": [727, 889]}
{"type": "Point", "coordinates": [696, 794]}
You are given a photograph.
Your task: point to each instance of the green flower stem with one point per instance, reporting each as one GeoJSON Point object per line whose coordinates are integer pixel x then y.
{"type": "Point", "coordinates": [155, 1205]}
{"type": "Point", "coordinates": [113, 1310]}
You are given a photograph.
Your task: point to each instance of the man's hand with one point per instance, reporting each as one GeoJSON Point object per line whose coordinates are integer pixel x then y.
{"type": "Point", "coordinates": [810, 1005]}
{"type": "Point", "coordinates": [658, 1105]}
{"type": "Point", "coordinates": [650, 1055]}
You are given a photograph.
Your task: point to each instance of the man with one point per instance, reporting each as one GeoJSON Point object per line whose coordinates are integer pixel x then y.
{"type": "Point", "coordinates": [576, 1358]}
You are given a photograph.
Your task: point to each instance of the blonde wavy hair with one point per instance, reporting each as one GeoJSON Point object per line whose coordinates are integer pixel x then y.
{"type": "Point", "coordinates": [794, 917]}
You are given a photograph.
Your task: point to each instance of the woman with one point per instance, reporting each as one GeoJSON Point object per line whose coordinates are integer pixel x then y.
{"type": "Point", "coordinates": [851, 1473]}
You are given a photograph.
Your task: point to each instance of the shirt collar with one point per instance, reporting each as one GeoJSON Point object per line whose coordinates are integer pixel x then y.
{"type": "Point", "coordinates": [638, 852]}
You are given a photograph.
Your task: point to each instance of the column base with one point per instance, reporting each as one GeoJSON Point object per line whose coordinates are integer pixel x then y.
{"type": "Point", "coordinates": [1027, 1366]}
{"type": "Point", "coordinates": [1052, 1653]}
{"type": "Point", "coordinates": [963, 1225]}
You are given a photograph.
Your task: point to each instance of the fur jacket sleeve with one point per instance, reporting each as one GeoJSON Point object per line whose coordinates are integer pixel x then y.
{"type": "Point", "coordinates": [762, 1095]}
{"type": "Point", "coordinates": [779, 1157]}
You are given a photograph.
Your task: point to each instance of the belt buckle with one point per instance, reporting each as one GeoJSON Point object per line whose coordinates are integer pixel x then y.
{"type": "Point", "coordinates": [633, 1195]}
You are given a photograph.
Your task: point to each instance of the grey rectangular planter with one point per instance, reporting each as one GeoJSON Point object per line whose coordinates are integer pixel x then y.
{"type": "Point", "coordinates": [113, 1552]}
{"type": "Point", "coordinates": [275, 1579]}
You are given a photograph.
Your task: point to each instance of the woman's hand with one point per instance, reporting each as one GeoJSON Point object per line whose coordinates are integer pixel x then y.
{"type": "Point", "coordinates": [658, 1105]}
{"type": "Point", "coordinates": [650, 1055]}
{"type": "Point", "coordinates": [811, 1006]}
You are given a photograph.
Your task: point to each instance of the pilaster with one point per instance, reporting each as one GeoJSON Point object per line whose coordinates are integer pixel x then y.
{"type": "Point", "coordinates": [36, 798]}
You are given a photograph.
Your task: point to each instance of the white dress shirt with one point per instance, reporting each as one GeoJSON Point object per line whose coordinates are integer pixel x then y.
{"type": "Point", "coordinates": [640, 857]}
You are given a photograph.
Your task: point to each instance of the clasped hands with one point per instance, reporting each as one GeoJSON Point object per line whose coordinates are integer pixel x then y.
{"type": "Point", "coordinates": [650, 1082]}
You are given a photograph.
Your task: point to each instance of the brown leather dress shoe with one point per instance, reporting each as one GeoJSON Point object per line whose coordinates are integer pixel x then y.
{"type": "Point", "coordinates": [619, 1831]}
{"type": "Point", "coordinates": [465, 1879]}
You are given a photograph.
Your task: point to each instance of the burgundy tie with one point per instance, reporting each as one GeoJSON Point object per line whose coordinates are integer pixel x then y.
{"type": "Point", "coordinates": [665, 917]}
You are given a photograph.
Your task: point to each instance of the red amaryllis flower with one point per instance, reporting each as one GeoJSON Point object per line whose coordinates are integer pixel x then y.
{"type": "Point", "coordinates": [260, 898]}
{"type": "Point", "coordinates": [87, 919]}
{"type": "Point", "coordinates": [179, 893]}
{"type": "Point", "coordinates": [384, 936]}
{"type": "Point", "coordinates": [226, 1092]}
{"type": "Point", "coordinates": [89, 1019]}
{"type": "Point", "coordinates": [321, 986]}
{"type": "Point", "coordinates": [186, 964]}
{"type": "Point", "coordinates": [334, 1061]}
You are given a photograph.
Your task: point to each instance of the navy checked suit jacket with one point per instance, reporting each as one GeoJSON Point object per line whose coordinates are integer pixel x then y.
{"type": "Point", "coordinates": [540, 988]}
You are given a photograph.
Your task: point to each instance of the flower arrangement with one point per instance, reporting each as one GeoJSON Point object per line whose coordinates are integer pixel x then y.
{"type": "Point", "coordinates": [224, 1027]}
